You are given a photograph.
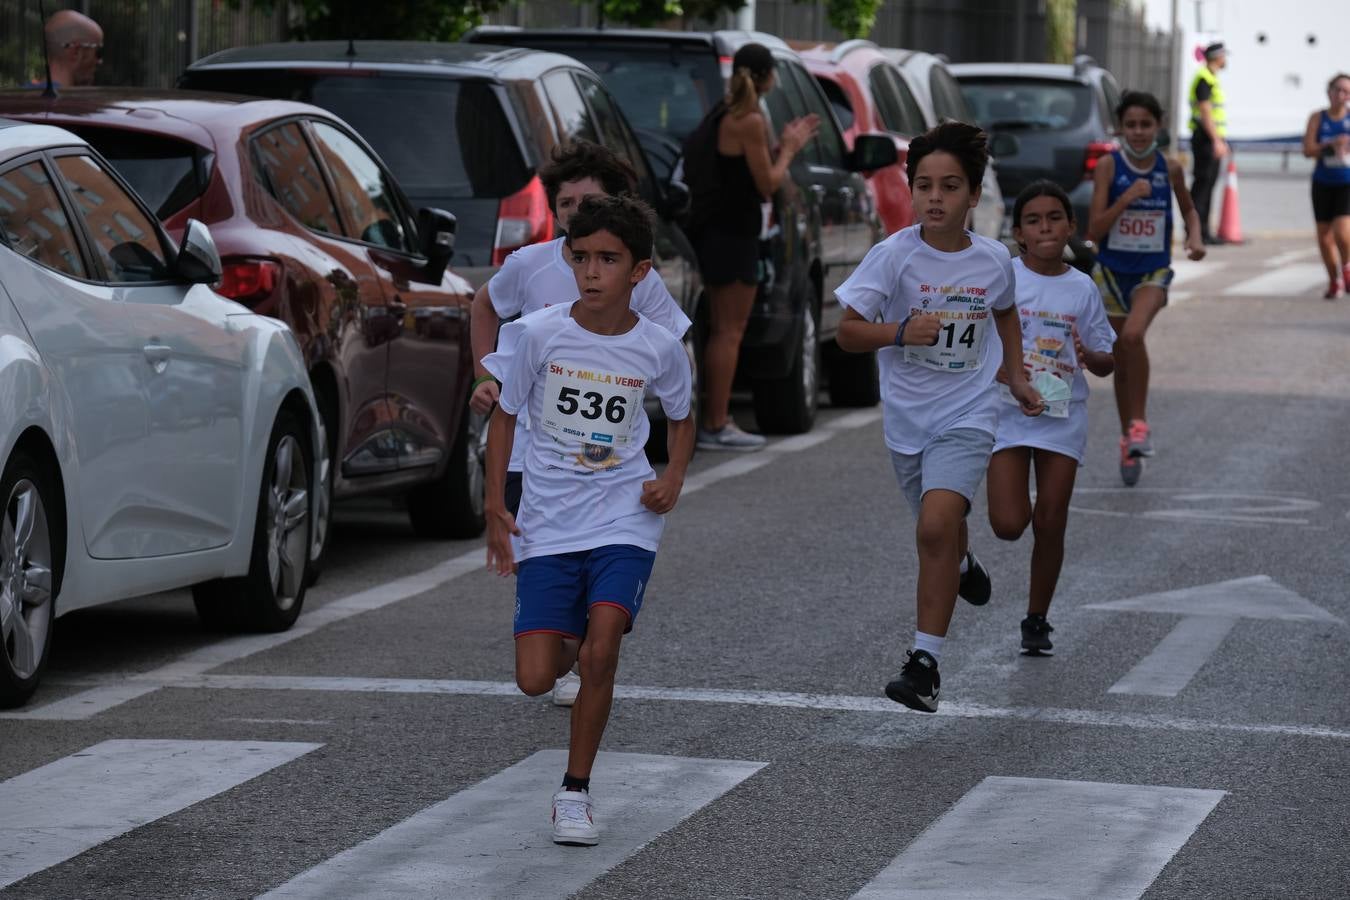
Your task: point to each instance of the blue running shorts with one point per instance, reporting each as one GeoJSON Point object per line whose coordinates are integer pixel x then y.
{"type": "Point", "coordinates": [1117, 288]}
{"type": "Point", "coordinates": [555, 594]}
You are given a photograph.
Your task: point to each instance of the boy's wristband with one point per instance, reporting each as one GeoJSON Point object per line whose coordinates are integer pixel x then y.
{"type": "Point", "coordinates": [480, 379]}
{"type": "Point", "coordinates": [900, 332]}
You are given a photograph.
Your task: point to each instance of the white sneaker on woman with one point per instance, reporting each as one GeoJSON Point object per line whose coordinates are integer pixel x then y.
{"type": "Point", "coordinates": [730, 437]}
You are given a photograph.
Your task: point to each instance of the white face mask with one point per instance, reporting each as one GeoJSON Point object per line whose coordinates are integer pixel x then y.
{"type": "Point", "coordinates": [1142, 154]}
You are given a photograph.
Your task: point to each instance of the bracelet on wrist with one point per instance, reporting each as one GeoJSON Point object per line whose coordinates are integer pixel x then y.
{"type": "Point", "coordinates": [900, 332]}
{"type": "Point", "coordinates": [480, 379]}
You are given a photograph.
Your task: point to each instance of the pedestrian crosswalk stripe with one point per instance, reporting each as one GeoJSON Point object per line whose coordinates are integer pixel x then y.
{"type": "Point", "coordinates": [1286, 281]}
{"type": "Point", "coordinates": [59, 810]}
{"type": "Point", "coordinates": [1025, 838]}
{"type": "Point", "coordinates": [494, 839]}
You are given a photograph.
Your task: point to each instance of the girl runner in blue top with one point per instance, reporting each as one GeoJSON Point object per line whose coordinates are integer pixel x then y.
{"type": "Point", "coordinates": [1131, 220]}
{"type": "Point", "coordinates": [1327, 139]}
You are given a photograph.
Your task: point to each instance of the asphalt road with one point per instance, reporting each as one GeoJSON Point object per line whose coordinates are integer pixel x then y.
{"type": "Point", "coordinates": [379, 748]}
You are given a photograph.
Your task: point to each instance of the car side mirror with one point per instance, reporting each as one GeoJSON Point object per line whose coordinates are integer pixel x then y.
{"type": "Point", "coordinates": [677, 200]}
{"type": "Point", "coordinates": [871, 152]}
{"type": "Point", "coordinates": [1003, 144]}
{"type": "Point", "coordinates": [437, 229]}
{"type": "Point", "coordinates": [198, 261]}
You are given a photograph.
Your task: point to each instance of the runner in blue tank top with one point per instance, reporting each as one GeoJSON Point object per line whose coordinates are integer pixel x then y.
{"type": "Point", "coordinates": [1327, 140]}
{"type": "Point", "coordinates": [1131, 221]}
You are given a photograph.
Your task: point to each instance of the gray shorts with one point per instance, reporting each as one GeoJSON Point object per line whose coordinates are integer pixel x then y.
{"type": "Point", "coordinates": [953, 461]}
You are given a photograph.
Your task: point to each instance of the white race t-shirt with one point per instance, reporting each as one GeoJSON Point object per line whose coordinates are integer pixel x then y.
{"type": "Point", "coordinates": [585, 464]}
{"type": "Point", "coordinates": [1051, 307]}
{"type": "Point", "coordinates": [932, 390]}
{"type": "Point", "coordinates": [538, 276]}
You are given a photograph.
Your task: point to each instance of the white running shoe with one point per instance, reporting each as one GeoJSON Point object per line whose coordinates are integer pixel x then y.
{"type": "Point", "coordinates": [572, 822]}
{"type": "Point", "coordinates": [566, 688]}
{"type": "Point", "coordinates": [730, 437]}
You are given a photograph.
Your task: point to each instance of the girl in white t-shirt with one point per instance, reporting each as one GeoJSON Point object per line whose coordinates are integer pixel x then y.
{"type": "Point", "coordinates": [1064, 330]}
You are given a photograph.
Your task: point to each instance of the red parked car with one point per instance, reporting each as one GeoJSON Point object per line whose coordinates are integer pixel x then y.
{"type": "Point", "coordinates": [858, 79]}
{"type": "Point", "coordinates": [314, 230]}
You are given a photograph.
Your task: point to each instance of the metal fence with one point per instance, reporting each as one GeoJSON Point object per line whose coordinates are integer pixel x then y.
{"type": "Point", "coordinates": [146, 43]}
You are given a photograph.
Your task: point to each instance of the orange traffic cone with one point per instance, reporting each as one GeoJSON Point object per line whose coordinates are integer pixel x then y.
{"type": "Point", "coordinates": [1230, 217]}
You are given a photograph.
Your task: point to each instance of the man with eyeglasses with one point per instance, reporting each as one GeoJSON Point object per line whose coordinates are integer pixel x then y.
{"type": "Point", "coordinates": [75, 47]}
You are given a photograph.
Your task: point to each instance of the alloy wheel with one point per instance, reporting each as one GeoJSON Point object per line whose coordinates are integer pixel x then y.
{"type": "Point", "coordinates": [25, 579]}
{"type": "Point", "coordinates": [287, 513]}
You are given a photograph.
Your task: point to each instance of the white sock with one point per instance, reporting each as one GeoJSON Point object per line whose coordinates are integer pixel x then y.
{"type": "Point", "coordinates": [929, 643]}
{"type": "Point", "coordinates": [965, 563]}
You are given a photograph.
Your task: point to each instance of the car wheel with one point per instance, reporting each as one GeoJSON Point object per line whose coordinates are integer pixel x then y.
{"type": "Point", "coordinates": [27, 576]}
{"type": "Point", "coordinates": [788, 405]}
{"type": "Point", "coordinates": [658, 441]}
{"type": "Point", "coordinates": [270, 596]}
{"type": "Point", "coordinates": [854, 380]}
{"type": "Point", "coordinates": [452, 506]}
{"type": "Point", "coordinates": [323, 507]}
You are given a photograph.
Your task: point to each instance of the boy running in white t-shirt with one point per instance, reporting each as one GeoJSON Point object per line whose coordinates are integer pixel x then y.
{"type": "Point", "coordinates": [538, 276]}
{"type": "Point", "coordinates": [923, 298]}
{"type": "Point", "coordinates": [591, 511]}
{"type": "Point", "coordinates": [1064, 330]}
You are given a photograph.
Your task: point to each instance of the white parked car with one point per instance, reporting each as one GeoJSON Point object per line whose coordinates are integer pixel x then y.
{"type": "Point", "coordinates": [153, 434]}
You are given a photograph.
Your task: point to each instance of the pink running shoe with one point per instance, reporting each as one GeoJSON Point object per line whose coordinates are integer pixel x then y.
{"type": "Point", "coordinates": [1131, 466]}
{"type": "Point", "coordinates": [1139, 438]}
{"type": "Point", "coordinates": [1333, 291]}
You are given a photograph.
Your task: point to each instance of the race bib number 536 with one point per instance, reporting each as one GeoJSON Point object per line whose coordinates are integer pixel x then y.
{"type": "Point", "coordinates": [591, 406]}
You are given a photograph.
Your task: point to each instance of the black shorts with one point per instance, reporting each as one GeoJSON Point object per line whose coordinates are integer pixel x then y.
{"type": "Point", "coordinates": [1330, 201]}
{"type": "Point", "coordinates": [515, 487]}
{"type": "Point", "coordinates": [727, 258]}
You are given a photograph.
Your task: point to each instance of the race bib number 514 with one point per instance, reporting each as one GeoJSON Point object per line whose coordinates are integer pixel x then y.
{"type": "Point", "coordinates": [590, 406]}
{"type": "Point", "coordinates": [960, 341]}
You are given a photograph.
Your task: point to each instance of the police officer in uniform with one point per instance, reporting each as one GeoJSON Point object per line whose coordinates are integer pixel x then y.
{"type": "Point", "coordinates": [1209, 124]}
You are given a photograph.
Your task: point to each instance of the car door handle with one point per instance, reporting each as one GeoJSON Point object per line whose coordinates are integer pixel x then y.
{"type": "Point", "coordinates": [157, 355]}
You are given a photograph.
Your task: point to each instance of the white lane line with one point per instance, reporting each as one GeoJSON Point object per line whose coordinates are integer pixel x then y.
{"type": "Point", "coordinates": [779, 699]}
{"type": "Point", "coordinates": [1191, 274]}
{"type": "Point", "coordinates": [87, 704]}
{"type": "Point", "coordinates": [1167, 670]}
{"type": "Point", "coordinates": [1285, 258]}
{"type": "Point", "coordinates": [743, 465]}
{"type": "Point", "coordinates": [1289, 281]}
{"type": "Point", "coordinates": [97, 700]}
{"type": "Point", "coordinates": [494, 839]}
{"type": "Point", "coordinates": [64, 808]}
{"type": "Point", "coordinates": [1045, 839]}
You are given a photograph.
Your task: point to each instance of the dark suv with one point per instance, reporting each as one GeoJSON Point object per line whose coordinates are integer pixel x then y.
{"type": "Point", "coordinates": [1063, 118]}
{"type": "Point", "coordinates": [465, 129]}
{"type": "Point", "coordinates": [823, 219]}
{"type": "Point", "coordinates": [314, 231]}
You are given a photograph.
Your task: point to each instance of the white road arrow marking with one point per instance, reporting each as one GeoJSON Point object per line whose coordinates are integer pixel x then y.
{"type": "Point", "coordinates": [1210, 612]}
{"type": "Point", "coordinates": [62, 809]}
{"type": "Point", "coordinates": [1023, 838]}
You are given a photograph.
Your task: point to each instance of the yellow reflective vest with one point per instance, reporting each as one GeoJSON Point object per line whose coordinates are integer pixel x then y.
{"type": "Point", "coordinates": [1216, 109]}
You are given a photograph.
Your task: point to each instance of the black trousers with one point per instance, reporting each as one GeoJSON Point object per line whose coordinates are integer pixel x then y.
{"type": "Point", "coordinates": [1204, 175]}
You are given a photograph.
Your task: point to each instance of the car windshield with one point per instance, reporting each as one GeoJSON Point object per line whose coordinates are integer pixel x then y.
{"type": "Point", "coordinates": [1023, 103]}
{"type": "Point", "coordinates": [167, 173]}
{"type": "Point", "coordinates": [661, 87]}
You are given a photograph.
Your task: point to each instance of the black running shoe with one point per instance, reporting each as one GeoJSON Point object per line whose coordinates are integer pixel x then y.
{"type": "Point", "coordinates": [917, 686]}
{"type": "Point", "coordinates": [975, 587]}
{"type": "Point", "coordinates": [1036, 634]}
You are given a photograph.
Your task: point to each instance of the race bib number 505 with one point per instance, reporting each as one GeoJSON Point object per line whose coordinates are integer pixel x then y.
{"type": "Point", "coordinates": [591, 406]}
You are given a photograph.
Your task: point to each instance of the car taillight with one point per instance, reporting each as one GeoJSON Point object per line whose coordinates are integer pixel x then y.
{"type": "Point", "coordinates": [249, 281]}
{"type": "Point", "coordinates": [724, 63]}
{"type": "Point", "coordinates": [1095, 151]}
{"type": "Point", "coordinates": [522, 218]}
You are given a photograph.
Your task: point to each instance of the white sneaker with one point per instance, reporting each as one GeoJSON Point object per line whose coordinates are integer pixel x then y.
{"type": "Point", "coordinates": [572, 822]}
{"type": "Point", "coordinates": [730, 438]}
{"type": "Point", "coordinates": [566, 688]}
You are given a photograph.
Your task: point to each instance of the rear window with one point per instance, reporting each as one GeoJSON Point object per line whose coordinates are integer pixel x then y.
{"type": "Point", "coordinates": [659, 86]}
{"type": "Point", "coordinates": [475, 151]}
{"type": "Point", "coordinates": [167, 173]}
{"type": "Point", "coordinates": [1043, 105]}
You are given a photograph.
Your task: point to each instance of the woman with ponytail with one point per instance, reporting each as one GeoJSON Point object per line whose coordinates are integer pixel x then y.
{"type": "Point", "coordinates": [731, 171]}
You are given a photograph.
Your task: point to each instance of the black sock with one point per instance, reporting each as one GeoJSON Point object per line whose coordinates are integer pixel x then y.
{"type": "Point", "coordinates": [576, 784]}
